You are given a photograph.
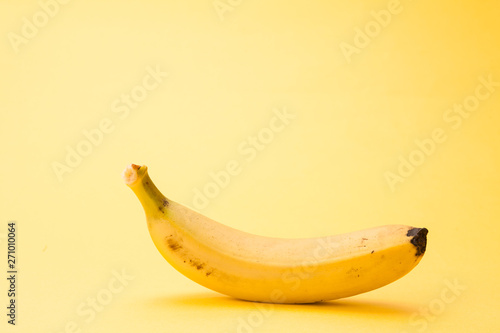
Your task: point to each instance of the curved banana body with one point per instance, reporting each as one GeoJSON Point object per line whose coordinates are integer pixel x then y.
{"type": "Point", "coordinates": [276, 270]}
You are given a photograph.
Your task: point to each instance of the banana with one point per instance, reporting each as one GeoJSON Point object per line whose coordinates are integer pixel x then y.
{"type": "Point", "coordinates": [276, 270]}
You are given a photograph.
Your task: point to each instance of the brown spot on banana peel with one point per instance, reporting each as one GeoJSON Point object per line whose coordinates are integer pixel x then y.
{"type": "Point", "coordinates": [353, 270]}
{"type": "Point", "coordinates": [175, 247]}
{"type": "Point", "coordinates": [419, 239]}
{"type": "Point", "coordinates": [173, 244]}
{"type": "Point", "coordinates": [164, 203]}
{"type": "Point", "coordinates": [198, 264]}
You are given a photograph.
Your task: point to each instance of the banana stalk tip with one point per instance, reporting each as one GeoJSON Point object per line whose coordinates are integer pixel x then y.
{"type": "Point", "coordinates": [131, 173]}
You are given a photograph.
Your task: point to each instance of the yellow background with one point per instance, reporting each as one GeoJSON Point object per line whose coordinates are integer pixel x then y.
{"type": "Point", "coordinates": [324, 173]}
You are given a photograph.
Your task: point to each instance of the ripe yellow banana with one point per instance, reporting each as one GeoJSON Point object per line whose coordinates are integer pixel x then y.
{"type": "Point", "coordinates": [276, 270]}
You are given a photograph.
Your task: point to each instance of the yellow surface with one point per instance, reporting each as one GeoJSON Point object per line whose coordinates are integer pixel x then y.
{"type": "Point", "coordinates": [354, 152]}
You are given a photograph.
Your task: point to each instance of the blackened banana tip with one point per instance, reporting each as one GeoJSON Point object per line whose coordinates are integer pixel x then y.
{"type": "Point", "coordinates": [419, 239]}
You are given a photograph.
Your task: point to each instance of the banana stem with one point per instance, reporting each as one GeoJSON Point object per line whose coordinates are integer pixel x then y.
{"type": "Point", "coordinates": [137, 178]}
